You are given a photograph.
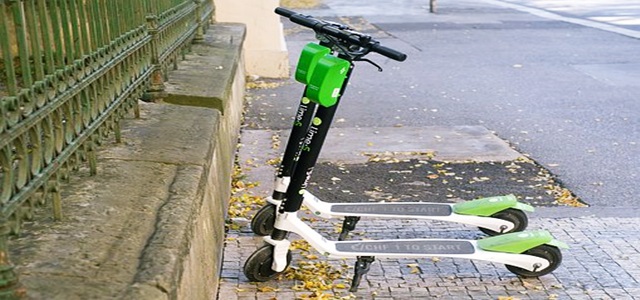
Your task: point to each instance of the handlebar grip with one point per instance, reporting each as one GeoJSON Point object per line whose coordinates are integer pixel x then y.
{"type": "Point", "coordinates": [284, 12]}
{"type": "Point", "coordinates": [388, 52]}
{"type": "Point", "coordinates": [304, 21]}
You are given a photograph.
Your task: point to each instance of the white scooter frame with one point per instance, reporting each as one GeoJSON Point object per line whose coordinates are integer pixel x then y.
{"type": "Point", "coordinates": [334, 249]}
{"type": "Point", "coordinates": [416, 210]}
{"type": "Point", "coordinates": [528, 254]}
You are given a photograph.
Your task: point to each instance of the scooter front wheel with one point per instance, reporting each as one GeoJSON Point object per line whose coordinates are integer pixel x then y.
{"type": "Point", "coordinates": [262, 223]}
{"type": "Point", "coordinates": [548, 252]}
{"type": "Point", "coordinates": [258, 265]}
{"type": "Point", "coordinates": [515, 216]}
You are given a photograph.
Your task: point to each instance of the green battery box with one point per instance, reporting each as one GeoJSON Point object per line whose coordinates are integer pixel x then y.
{"type": "Point", "coordinates": [309, 57]}
{"type": "Point", "coordinates": [327, 80]}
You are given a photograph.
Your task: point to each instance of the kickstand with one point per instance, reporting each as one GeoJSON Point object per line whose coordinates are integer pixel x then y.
{"type": "Point", "coordinates": [362, 267]}
{"type": "Point", "coordinates": [348, 225]}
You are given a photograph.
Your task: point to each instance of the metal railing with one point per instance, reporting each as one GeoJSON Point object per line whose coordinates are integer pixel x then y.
{"type": "Point", "coordinates": [70, 70]}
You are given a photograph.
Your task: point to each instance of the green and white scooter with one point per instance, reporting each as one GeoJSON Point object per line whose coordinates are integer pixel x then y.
{"type": "Point", "coordinates": [315, 68]}
{"type": "Point", "coordinates": [528, 254]}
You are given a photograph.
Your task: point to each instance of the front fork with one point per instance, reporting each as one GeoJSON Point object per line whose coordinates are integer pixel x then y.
{"type": "Point", "coordinates": [280, 250]}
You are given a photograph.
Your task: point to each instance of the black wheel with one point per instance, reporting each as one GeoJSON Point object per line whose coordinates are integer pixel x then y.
{"type": "Point", "coordinates": [550, 253]}
{"type": "Point", "coordinates": [262, 222]}
{"type": "Point", "coordinates": [258, 265]}
{"type": "Point", "coordinates": [515, 216]}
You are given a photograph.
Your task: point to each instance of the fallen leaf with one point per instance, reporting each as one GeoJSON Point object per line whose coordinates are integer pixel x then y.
{"type": "Point", "coordinates": [266, 289]}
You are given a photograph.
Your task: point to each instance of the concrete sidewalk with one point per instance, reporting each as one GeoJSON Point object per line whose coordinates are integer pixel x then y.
{"type": "Point", "coordinates": [602, 263]}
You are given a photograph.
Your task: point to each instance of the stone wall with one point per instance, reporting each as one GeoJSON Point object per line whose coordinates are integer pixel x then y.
{"type": "Point", "coordinates": [150, 224]}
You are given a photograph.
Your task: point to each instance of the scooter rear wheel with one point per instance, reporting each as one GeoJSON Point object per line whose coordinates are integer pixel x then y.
{"type": "Point", "coordinates": [262, 223]}
{"type": "Point", "coordinates": [258, 265]}
{"type": "Point", "coordinates": [515, 216]}
{"type": "Point", "coordinates": [548, 252]}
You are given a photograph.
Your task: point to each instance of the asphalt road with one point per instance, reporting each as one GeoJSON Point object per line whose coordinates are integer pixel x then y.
{"type": "Point", "coordinates": [563, 93]}
{"type": "Point", "coordinates": [618, 13]}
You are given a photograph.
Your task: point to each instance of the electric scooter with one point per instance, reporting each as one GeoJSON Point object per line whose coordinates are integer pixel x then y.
{"type": "Point", "coordinates": [493, 215]}
{"type": "Point", "coordinates": [528, 254]}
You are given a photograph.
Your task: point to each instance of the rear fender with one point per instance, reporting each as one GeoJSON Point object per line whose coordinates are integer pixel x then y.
{"type": "Point", "coordinates": [519, 242]}
{"type": "Point", "coordinates": [485, 207]}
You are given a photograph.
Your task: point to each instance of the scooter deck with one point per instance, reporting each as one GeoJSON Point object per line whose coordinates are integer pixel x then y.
{"type": "Point", "coordinates": [408, 247]}
{"type": "Point", "coordinates": [393, 209]}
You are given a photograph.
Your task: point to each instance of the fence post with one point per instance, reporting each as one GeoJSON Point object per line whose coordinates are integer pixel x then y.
{"type": "Point", "coordinates": [10, 287]}
{"type": "Point", "coordinates": [156, 89]}
{"type": "Point", "coordinates": [199, 11]}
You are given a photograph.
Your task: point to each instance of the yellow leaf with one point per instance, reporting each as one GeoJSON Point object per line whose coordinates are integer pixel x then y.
{"type": "Point", "coordinates": [557, 286]}
{"type": "Point", "coordinates": [531, 286]}
{"type": "Point", "coordinates": [239, 184]}
{"type": "Point", "coordinates": [265, 289]}
{"type": "Point", "coordinates": [274, 161]}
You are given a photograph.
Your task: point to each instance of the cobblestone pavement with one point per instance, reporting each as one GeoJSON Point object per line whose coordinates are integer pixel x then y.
{"type": "Point", "coordinates": [603, 263]}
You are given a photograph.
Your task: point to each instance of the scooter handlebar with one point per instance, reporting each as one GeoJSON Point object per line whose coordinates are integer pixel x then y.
{"type": "Point", "coordinates": [388, 52]}
{"type": "Point", "coordinates": [285, 12]}
{"type": "Point", "coordinates": [349, 36]}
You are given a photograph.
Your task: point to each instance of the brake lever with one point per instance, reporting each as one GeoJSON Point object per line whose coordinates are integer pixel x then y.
{"type": "Point", "coordinates": [370, 62]}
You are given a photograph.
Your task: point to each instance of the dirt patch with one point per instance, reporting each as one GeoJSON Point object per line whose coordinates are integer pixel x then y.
{"type": "Point", "coordinates": [434, 181]}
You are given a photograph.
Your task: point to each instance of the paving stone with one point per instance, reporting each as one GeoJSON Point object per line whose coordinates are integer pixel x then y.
{"type": "Point", "coordinates": [266, 296]}
{"type": "Point", "coordinates": [227, 294]}
{"type": "Point", "coordinates": [617, 293]}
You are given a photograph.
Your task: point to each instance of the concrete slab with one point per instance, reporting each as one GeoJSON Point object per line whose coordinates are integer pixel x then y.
{"type": "Point", "coordinates": [206, 75]}
{"type": "Point", "coordinates": [356, 145]}
{"type": "Point", "coordinates": [448, 143]}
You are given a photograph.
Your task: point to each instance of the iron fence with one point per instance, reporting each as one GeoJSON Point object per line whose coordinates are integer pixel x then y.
{"type": "Point", "coordinates": [70, 70]}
